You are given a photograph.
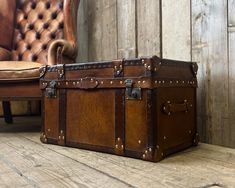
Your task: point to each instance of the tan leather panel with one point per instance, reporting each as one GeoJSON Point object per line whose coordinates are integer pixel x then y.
{"type": "Point", "coordinates": [175, 128]}
{"type": "Point", "coordinates": [51, 117]}
{"type": "Point", "coordinates": [13, 70]}
{"type": "Point", "coordinates": [136, 124]}
{"type": "Point", "coordinates": [90, 118]}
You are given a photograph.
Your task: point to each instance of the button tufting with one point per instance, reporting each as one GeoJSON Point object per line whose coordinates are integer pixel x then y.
{"type": "Point", "coordinates": [48, 5]}
{"type": "Point", "coordinates": [46, 25]}
{"type": "Point", "coordinates": [38, 35]}
{"type": "Point", "coordinates": [33, 6]}
{"type": "Point", "coordinates": [40, 16]}
{"type": "Point", "coordinates": [54, 15]}
{"type": "Point", "coordinates": [44, 46]}
{"type": "Point", "coordinates": [34, 58]}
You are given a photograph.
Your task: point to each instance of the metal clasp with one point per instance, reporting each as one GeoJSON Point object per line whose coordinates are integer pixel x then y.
{"type": "Point", "coordinates": [132, 93]}
{"type": "Point", "coordinates": [51, 90]}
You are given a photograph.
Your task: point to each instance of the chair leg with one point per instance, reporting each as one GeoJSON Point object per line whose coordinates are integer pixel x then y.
{"type": "Point", "coordinates": [7, 111]}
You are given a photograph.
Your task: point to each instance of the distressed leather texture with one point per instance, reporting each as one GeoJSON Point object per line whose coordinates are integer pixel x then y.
{"type": "Point", "coordinates": [29, 27]}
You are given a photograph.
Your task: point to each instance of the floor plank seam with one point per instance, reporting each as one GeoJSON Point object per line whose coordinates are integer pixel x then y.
{"type": "Point", "coordinates": [84, 164]}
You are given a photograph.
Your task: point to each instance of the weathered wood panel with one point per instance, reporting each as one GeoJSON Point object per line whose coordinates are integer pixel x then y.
{"type": "Point", "coordinates": [176, 29]}
{"type": "Point", "coordinates": [126, 28]}
{"type": "Point", "coordinates": [82, 30]}
{"type": "Point", "coordinates": [102, 30]}
{"type": "Point", "coordinates": [231, 13]}
{"type": "Point", "coordinates": [148, 28]}
{"type": "Point", "coordinates": [231, 41]}
{"type": "Point", "coordinates": [209, 25]}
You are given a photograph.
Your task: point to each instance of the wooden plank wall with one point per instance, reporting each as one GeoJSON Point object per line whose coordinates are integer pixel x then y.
{"type": "Point", "coordinates": [198, 30]}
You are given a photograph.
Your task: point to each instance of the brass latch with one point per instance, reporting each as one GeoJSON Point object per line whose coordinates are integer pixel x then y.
{"type": "Point", "coordinates": [51, 90]}
{"type": "Point", "coordinates": [132, 93]}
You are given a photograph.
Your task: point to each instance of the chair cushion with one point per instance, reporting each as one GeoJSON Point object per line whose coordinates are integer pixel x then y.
{"type": "Point", "coordinates": [19, 70]}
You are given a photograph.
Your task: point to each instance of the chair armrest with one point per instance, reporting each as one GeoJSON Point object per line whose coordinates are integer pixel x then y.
{"type": "Point", "coordinates": [61, 49]}
{"type": "Point", "coordinates": [5, 55]}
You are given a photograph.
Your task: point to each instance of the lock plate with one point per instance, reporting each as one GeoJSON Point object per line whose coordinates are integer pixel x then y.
{"type": "Point", "coordinates": [51, 90]}
{"type": "Point", "coordinates": [131, 92]}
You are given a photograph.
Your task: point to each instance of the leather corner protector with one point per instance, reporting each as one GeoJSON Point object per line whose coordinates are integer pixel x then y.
{"type": "Point", "coordinates": [152, 154]}
{"type": "Point", "coordinates": [43, 71]}
{"type": "Point", "coordinates": [43, 138]}
{"type": "Point", "coordinates": [119, 147]}
{"type": "Point", "coordinates": [196, 139]}
{"type": "Point", "coordinates": [194, 67]}
{"type": "Point", "coordinates": [61, 138]}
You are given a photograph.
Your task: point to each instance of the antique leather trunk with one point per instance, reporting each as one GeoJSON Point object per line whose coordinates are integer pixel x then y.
{"type": "Point", "coordinates": [143, 108]}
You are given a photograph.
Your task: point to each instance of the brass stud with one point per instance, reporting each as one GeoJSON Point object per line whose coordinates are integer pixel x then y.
{"type": "Point", "coordinates": [92, 79]}
{"type": "Point", "coordinates": [160, 63]}
{"type": "Point", "coordinates": [163, 81]}
{"type": "Point", "coordinates": [115, 67]}
{"type": "Point", "coordinates": [67, 83]}
{"type": "Point", "coordinates": [145, 65]}
{"type": "Point", "coordinates": [45, 140]}
{"type": "Point", "coordinates": [142, 61]}
{"type": "Point", "coordinates": [139, 141]}
{"type": "Point", "coordinates": [120, 66]}
{"type": "Point", "coordinates": [169, 114]}
{"type": "Point", "coordinates": [44, 136]}
{"type": "Point", "coordinates": [170, 82]}
{"type": "Point", "coordinates": [102, 82]}
{"type": "Point", "coordinates": [160, 82]}
{"type": "Point", "coordinates": [122, 146]}
{"type": "Point", "coordinates": [185, 100]}
{"type": "Point", "coordinates": [164, 108]}
{"type": "Point", "coordinates": [149, 67]}
{"type": "Point", "coordinates": [189, 131]}
{"type": "Point", "coordinates": [96, 82]}
{"type": "Point", "coordinates": [58, 83]}
{"type": "Point", "coordinates": [177, 81]}
{"type": "Point", "coordinates": [121, 82]}
{"type": "Point", "coordinates": [143, 81]}
{"type": "Point", "coordinates": [150, 149]}
{"type": "Point", "coordinates": [168, 102]}
{"type": "Point", "coordinates": [118, 139]}
{"type": "Point", "coordinates": [191, 105]}
{"type": "Point", "coordinates": [155, 69]}
{"type": "Point", "coordinates": [162, 154]}
{"type": "Point", "coordinates": [116, 146]}
{"type": "Point", "coordinates": [59, 137]}
{"type": "Point", "coordinates": [139, 82]}
{"type": "Point", "coordinates": [183, 82]}
{"type": "Point", "coordinates": [164, 137]}
{"type": "Point", "coordinates": [155, 81]}
{"type": "Point", "coordinates": [74, 83]}
{"type": "Point", "coordinates": [63, 137]}
{"type": "Point", "coordinates": [146, 151]}
{"type": "Point", "coordinates": [111, 82]}
{"type": "Point", "coordinates": [143, 156]}
{"type": "Point", "coordinates": [48, 130]}
{"type": "Point", "coordinates": [157, 146]}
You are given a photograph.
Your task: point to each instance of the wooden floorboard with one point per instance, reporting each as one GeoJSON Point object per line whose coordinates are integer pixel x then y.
{"type": "Point", "coordinates": [26, 162]}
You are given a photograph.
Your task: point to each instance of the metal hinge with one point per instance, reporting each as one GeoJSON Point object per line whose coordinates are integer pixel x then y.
{"type": "Point", "coordinates": [51, 90]}
{"type": "Point", "coordinates": [132, 93]}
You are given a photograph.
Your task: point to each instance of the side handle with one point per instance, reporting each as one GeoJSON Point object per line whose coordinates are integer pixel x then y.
{"type": "Point", "coordinates": [170, 108]}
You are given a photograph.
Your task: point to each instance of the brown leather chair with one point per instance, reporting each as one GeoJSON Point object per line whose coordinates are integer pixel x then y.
{"type": "Point", "coordinates": [33, 33]}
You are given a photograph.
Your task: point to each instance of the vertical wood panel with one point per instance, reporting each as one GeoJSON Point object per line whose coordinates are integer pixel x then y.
{"type": "Point", "coordinates": [126, 21]}
{"type": "Point", "coordinates": [148, 28]}
{"type": "Point", "coordinates": [231, 33]}
{"type": "Point", "coordinates": [231, 13]}
{"type": "Point", "coordinates": [176, 32]}
{"type": "Point", "coordinates": [82, 30]}
{"type": "Point", "coordinates": [102, 30]}
{"type": "Point", "coordinates": [210, 51]}
{"type": "Point", "coordinates": [232, 86]}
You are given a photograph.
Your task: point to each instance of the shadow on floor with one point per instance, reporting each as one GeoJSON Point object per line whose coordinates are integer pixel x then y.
{"type": "Point", "coordinates": [21, 124]}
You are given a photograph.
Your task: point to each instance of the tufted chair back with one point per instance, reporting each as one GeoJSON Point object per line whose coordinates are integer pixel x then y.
{"type": "Point", "coordinates": [40, 22]}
